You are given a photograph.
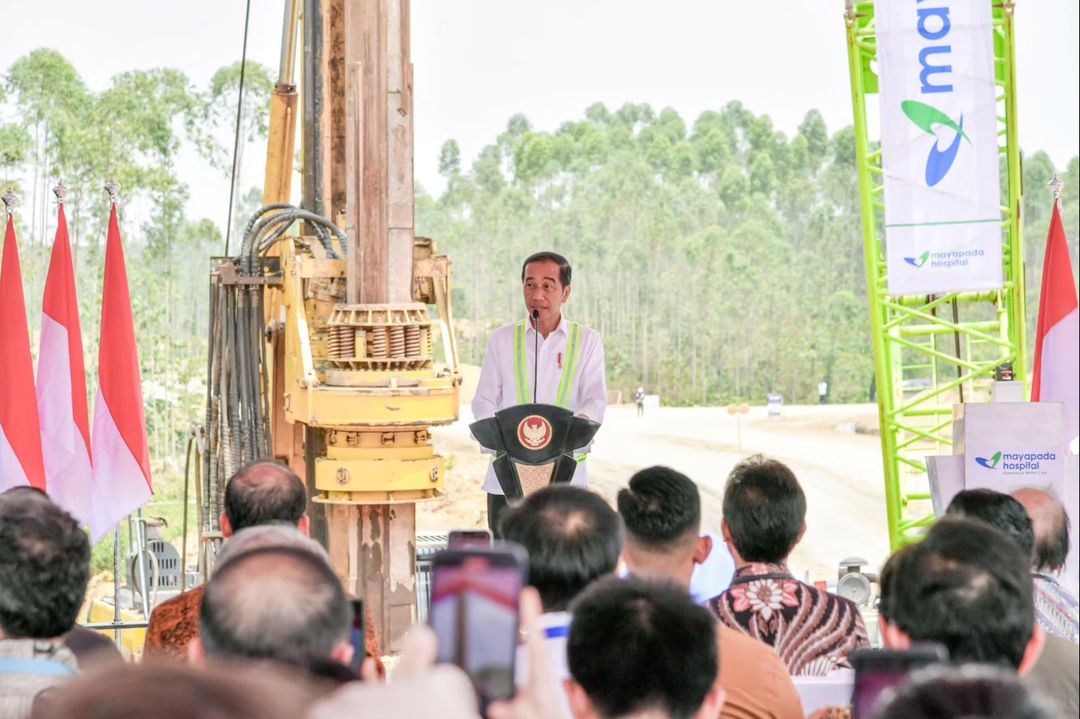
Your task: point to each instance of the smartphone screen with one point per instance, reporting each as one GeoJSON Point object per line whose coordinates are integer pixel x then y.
{"type": "Point", "coordinates": [878, 671]}
{"type": "Point", "coordinates": [469, 539]}
{"type": "Point", "coordinates": [356, 635]}
{"type": "Point", "coordinates": [474, 612]}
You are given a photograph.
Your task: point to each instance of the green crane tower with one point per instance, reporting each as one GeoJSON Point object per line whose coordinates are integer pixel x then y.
{"type": "Point", "coordinates": [932, 351]}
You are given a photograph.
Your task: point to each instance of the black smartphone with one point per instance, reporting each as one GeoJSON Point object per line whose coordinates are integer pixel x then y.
{"type": "Point", "coordinates": [474, 612]}
{"type": "Point", "coordinates": [356, 635]}
{"type": "Point", "coordinates": [879, 671]}
{"type": "Point", "coordinates": [468, 539]}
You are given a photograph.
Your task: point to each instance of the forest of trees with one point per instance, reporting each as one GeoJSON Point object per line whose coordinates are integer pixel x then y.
{"type": "Point", "coordinates": [720, 258]}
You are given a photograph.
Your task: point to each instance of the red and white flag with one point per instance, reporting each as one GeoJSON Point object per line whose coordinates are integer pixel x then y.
{"type": "Point", "coordinates": [120, 449]}
{"type": "Point", "coordinates": [1057, 338]}
{"type": "Point", "coordinates": [61, 385]}
{"type": "Point", "coordinates": [20, 437]}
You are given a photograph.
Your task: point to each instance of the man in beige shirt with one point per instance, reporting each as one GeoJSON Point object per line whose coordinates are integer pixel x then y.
{"type": "Point", "coordinates": [661, 510]}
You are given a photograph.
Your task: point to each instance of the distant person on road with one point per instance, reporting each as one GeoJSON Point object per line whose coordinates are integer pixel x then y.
{"type": "Point", "coordinates": [639, 400]}
{"type": "Point", "coordinates": [823, 392]}
{"type": "Point", "coordinates": [568, 359]}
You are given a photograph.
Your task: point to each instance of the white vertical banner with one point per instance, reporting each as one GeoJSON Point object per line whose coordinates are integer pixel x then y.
{"type": "Point", "coordinates": [943, 230]}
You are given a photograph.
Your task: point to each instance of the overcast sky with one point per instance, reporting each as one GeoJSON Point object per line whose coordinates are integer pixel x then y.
{"type": "Point", "coordinates": [477, 62]}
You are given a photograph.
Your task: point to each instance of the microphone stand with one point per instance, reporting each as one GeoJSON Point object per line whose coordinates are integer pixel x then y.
{"type": "Point", "coordinates": [536, 350]}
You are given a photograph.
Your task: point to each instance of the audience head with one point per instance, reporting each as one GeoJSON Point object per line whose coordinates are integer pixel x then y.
{"type": "Point", "coordinates": [972, 691]}
{"type": "Point", "coordinates": [44, 566]}
{"type": "Point", "coordinates": [277, 603]}
{"type": "Point", "coordinates": [175, 691]}
{"type": "Point", "coordinates": [264, 536]}
{"type": "Point", "coordinates": [638, 646]}
{"type": "Point", "coordinates": [661, 510]}
{"type": "Point", "coordinates": [966, 586]}
{"type": "Point", "coordinates": [1051, 524]}
{"type": "Point", "coordinates": [572, 537]}
{"type": "Point", "coordinates": [264, 492]}
{"type": "Point", "coordinates": [764, 510]}
{"type": "Point", "coordinates": [999, 511]}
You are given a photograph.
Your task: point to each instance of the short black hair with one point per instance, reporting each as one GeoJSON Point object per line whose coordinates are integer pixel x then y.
{"type": "Point", "coordinates": [636, 645]}
{"type": "Point", "coordinates": [277, 603]}
{"type": "Point", "coordinates": [966, 586]}
{"type": "Point", "coordinates": [565, 271]}
{"type": "Point", "coordinates": [660, 507]}
{"type": "Point", "coordinates": [44, 566]}
{"type": "Point", "coordinates": [998, 510]}
{"type": "Point", "coordinates": [573, 537]}
{"type": "Point", "coordinates": [264, 492]}
{"type": "Point", "coordinates": [765, 509]}
{"type": "Point", "coordinates": [974, 691]}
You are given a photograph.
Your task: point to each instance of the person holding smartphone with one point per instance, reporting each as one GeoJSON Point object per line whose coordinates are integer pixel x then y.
{"type": "Point", "coordinates": [544, 358]}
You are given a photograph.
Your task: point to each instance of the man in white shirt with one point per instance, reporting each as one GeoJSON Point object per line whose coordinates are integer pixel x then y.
{"type": "Point", "coordinates": [545, 356]}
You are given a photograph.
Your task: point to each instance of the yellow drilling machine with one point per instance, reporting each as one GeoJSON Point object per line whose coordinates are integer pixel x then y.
{"type": "Point", "coordinates": [323, 334]}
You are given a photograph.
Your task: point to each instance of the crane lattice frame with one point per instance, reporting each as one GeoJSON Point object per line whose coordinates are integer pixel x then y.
{"type": "Point", "coordinates": [932, 351]}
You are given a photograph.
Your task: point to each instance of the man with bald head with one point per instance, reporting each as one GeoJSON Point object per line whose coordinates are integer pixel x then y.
{"type": "Point", "coordinates": [280, 604]}
{"type": "Point", "coordinates": [261, 493]}
{"type": "Point", "coordinates": [1055, 606]}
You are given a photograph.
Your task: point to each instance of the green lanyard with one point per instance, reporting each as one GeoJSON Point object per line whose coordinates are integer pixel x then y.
{"type": "Point", "coordinates": [566, 384]}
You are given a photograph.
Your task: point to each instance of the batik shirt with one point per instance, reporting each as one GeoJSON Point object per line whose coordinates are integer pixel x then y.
{"type": "Point", "coordinates": [812, 630]}
{"type": "Point", "coordinates": [1055, 609]}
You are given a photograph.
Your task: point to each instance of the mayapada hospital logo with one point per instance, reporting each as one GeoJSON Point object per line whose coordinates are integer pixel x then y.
{"type": "Point", "coordinates": [1016, 462]}
{"type": "Point", "coordinates": [939, 161]}
{"type": "Point", "coordinates": [930, 120]}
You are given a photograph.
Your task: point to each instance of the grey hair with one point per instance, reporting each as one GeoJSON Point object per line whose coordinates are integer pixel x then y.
{"type": "Point", "coordinates": [277, 535]}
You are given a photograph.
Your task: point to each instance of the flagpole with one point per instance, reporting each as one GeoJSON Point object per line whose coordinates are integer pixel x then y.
{"type": "Point", "coordinates": [112, 187]}
{"type": "Point", "coordinates": [116, 584]}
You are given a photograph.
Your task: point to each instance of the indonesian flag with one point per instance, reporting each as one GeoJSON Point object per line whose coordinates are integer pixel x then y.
{"type": "Point", "coordinates": [20, 438]}
{"type": "Point", "coordinates": [121, 453]}
{"type": "Point", "coordinates": [1057, 339]}
{"type": "Point", "coordinates": [61, 385]}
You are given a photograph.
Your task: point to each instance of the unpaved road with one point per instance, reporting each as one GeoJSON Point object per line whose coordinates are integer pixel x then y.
{"type": "Point", "coordinates": [840, 470]}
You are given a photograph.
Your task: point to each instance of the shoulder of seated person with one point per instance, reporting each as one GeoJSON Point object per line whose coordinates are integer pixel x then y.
{"type": "Point", "coordinates": [443, 691]}
{"type": "Point", "coordinates": [733, 639]}
{"type": "Point", "coordinates": [181, 602]}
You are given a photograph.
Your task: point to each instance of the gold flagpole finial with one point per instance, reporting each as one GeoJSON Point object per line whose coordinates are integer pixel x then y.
{"type": "Point", "coordinates": [11, 200]}
{"type": "Point", "coordinates": [1056, 183]}
{"type": "Point", "coordinates": [113, 188]}
{"type": "Point", "coordinates": [60, 191]}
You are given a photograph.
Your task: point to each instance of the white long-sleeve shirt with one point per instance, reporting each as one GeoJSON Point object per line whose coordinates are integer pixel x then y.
{"type": "Point", "coordinates": [497, 388]}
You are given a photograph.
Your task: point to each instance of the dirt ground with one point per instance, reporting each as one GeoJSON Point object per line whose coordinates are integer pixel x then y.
{"type": "Point", "coordinates": [840, 470]}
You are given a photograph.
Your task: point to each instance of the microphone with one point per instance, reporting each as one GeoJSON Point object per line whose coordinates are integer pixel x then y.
{"type": "Point", "coordinates": [536, 349]}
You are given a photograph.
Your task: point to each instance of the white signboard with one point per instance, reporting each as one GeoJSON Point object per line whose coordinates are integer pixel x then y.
{"type": "Point", "coordinates": [1012, 444]}
{"type": "Point", "coordinates": [943, 229]}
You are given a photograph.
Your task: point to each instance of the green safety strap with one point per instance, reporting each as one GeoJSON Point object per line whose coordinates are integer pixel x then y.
{"type": "Point", "coordinates": [566, 384]}
{"type": "Point", "coordinates": [573, 346]}
{"type": "Point", "coordinates": [519, 364]}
